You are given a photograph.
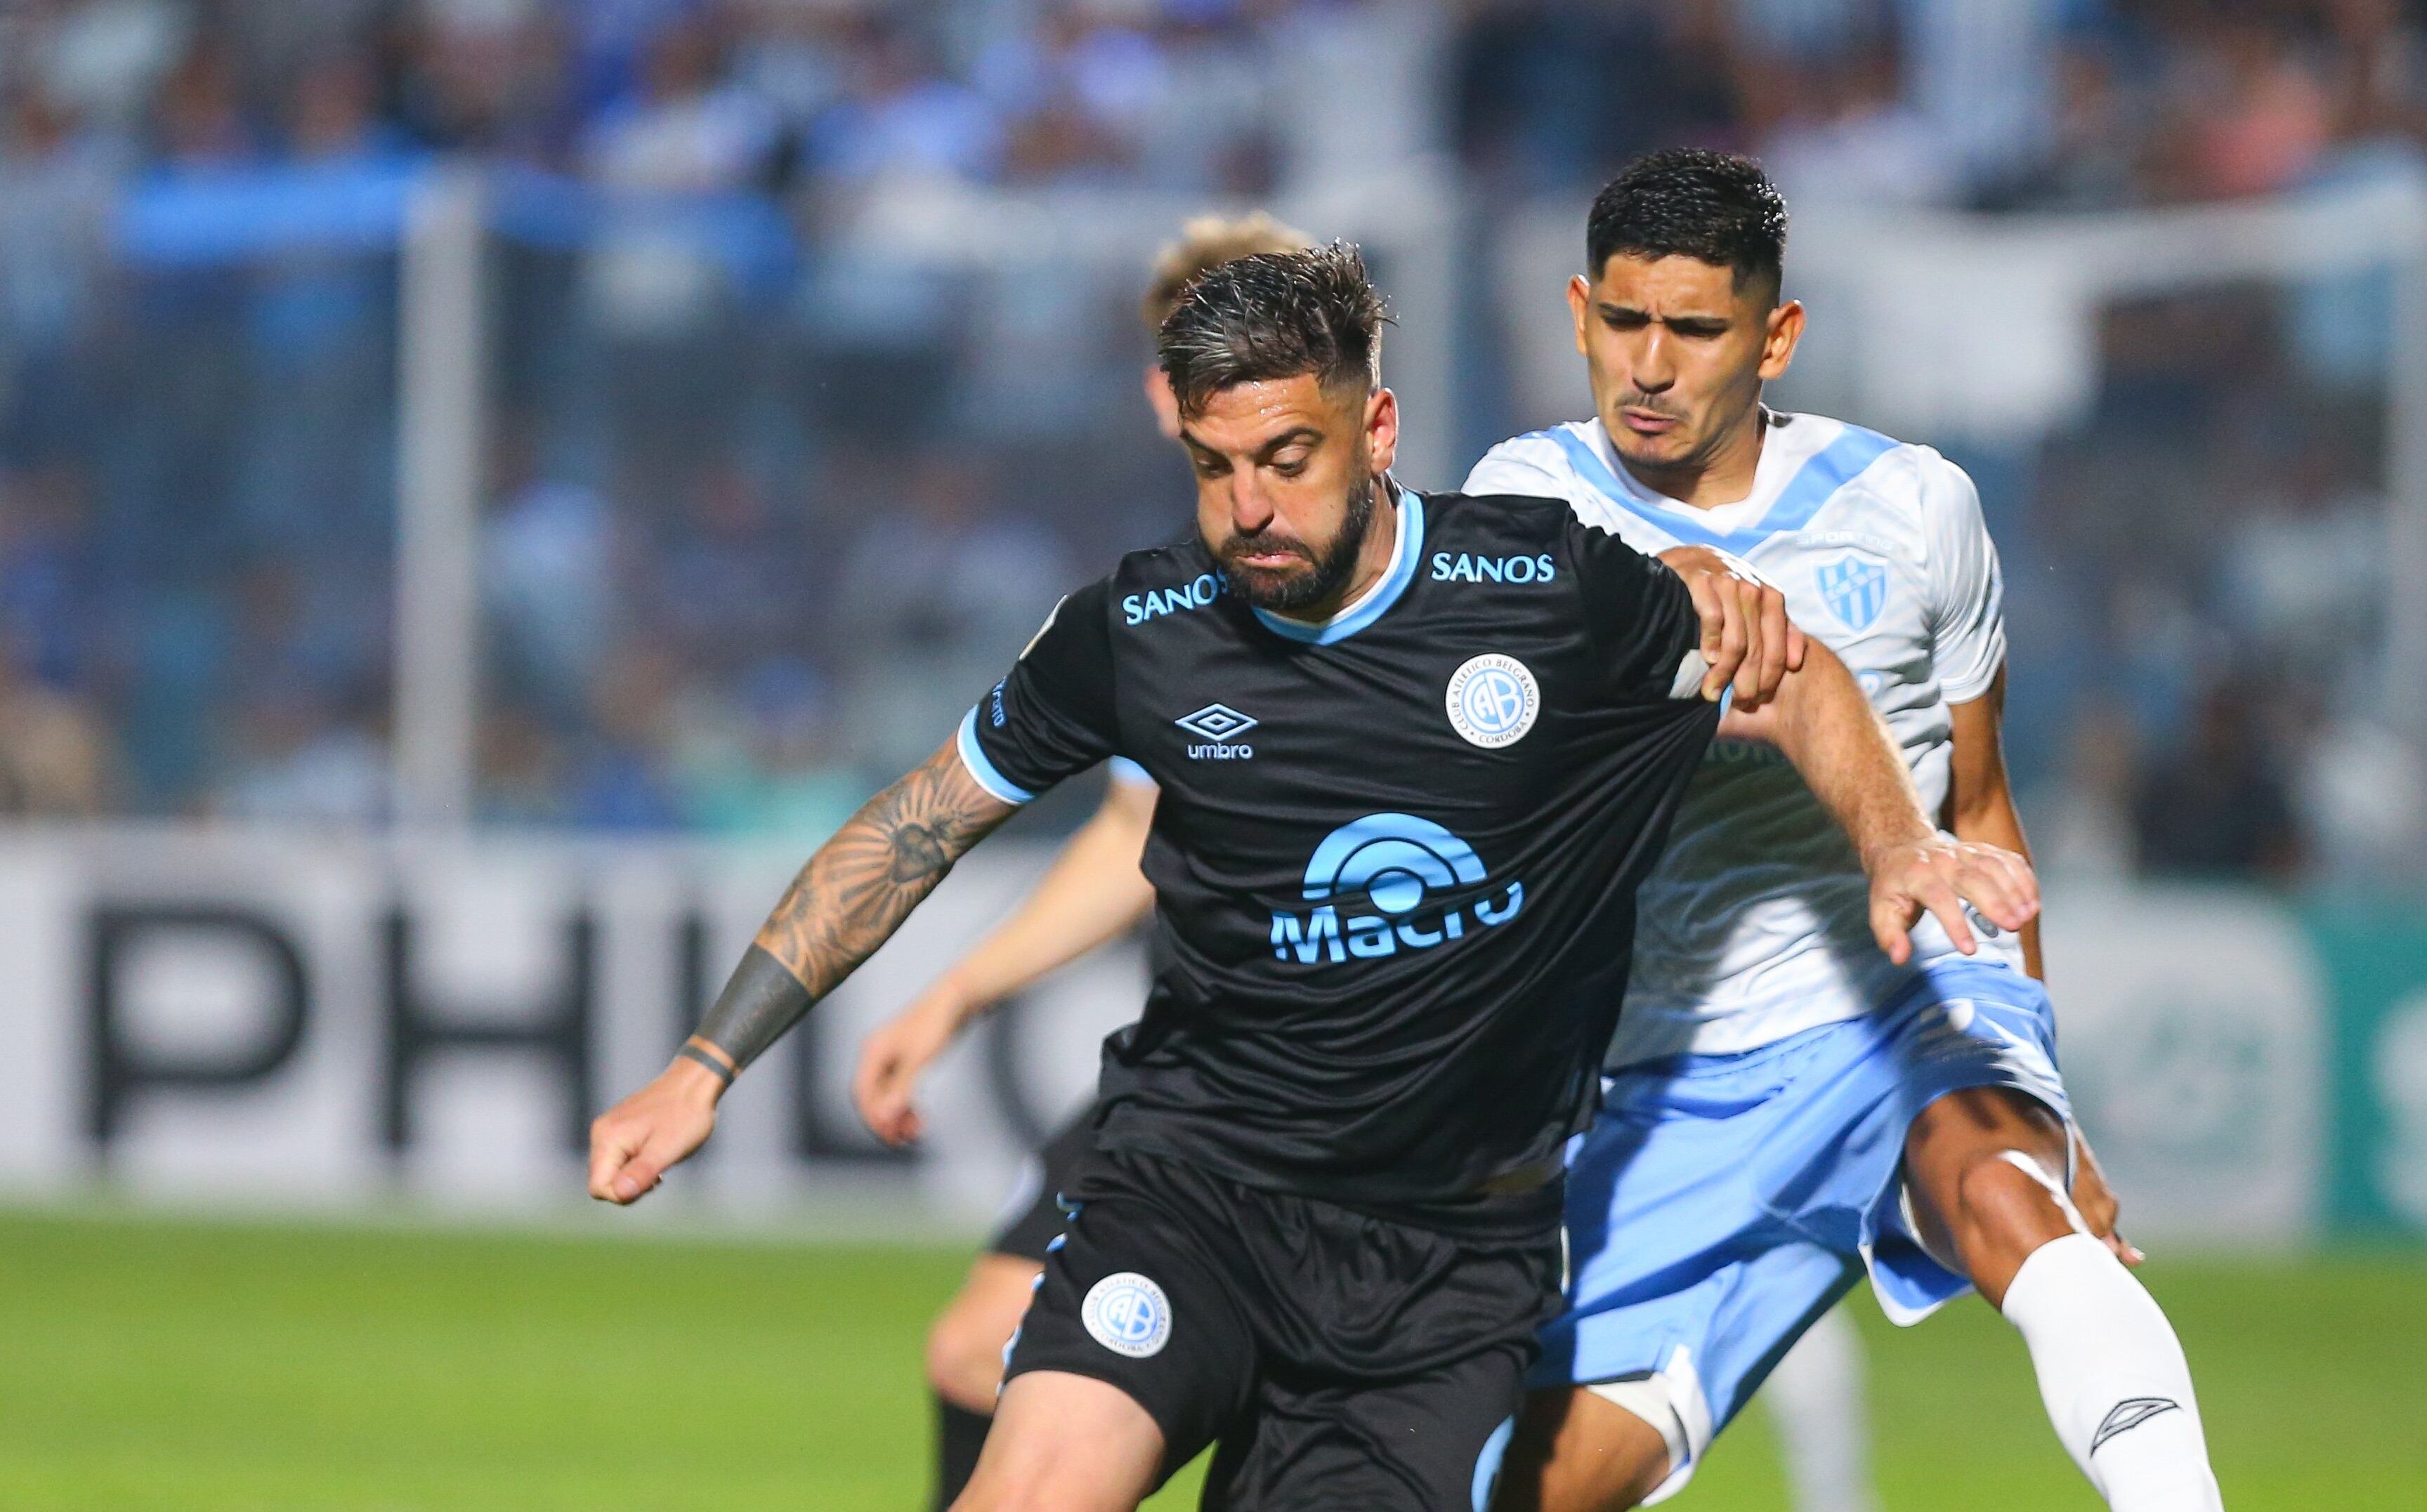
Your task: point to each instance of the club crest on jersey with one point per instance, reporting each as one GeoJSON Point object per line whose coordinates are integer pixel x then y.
{"type": "Point", "coordinates": [1396, 865]}
{"type": "Point", "coordinates": [1219, 725]}
{"type": "Point", "coordinates": [1128, 1314]}
{"type": "Point", "coordinates": [1855, 590]}
{"type": "Point", "coordinates": [1492, 701]}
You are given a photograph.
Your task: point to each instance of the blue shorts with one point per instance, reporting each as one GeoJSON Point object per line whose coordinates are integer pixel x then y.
{"type": "Point", "coordinates": [1721, 1203]}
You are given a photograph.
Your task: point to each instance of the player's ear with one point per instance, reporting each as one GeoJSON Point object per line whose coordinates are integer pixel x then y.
{"type": "Point", "coordinates": [1166, 406]}
{"type": "Point", "coordinates": [1579, 300]}
{"type": "Point", "coordinates": [1381, 430]}
{"type": "Point", "coordinates": [1778, 343]}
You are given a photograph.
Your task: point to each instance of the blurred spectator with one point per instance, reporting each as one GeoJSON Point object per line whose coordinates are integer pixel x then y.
{"type": "Point", "coordinates": [2302, 572]}
{"type": "Point", "coordinates": [1984, 75]}
{"type": "Point", "coordinates": [765, 762]}
{"type": "Point", "coordinates": [1559, 94]}
{"type": "Point", "coordinates": [487, 76]}
{"type": "Point", "coordinates": [687, 129]}
{"type": "Point", "coordinates": [934, 599]}
{"type": "Point", "coordinates": [2218, 806]}
{"type": "Point", "coordinates": [548, 583]}
{"type": "Point", "coordinates": [1855, 141]}
{"type": "Point", "coordinates": [2081, 820]}
{"type": "Point", "coordinates": [105, 56]}
{"type": "Point", "coordinates": [2380, 57]}
{"type": "Point", "coordinates": [198, 119]}
{"type": "Point", "coordinates": [2362, 796]}
{"type": "Point", "coordinates": [903, 116]}
{"type": "Point", "coordinates": [2252, 113]}
{"type": "Point", "coordinates": [616, 778]}
{"type": "Point", "coordinates": [56, 758]}
{"type": "Point", "coordinates": [1079, 92]}
{"type": "Point", "coordinates": [55, 183]}
{"type": "Point", "coordinates": [296, 758]}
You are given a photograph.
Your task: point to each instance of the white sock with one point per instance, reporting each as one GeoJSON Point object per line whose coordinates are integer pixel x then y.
{"type": "Point", "coordinates": [1816, 1403]}
{"type": "Point", "coordinates": [2113, 1378]}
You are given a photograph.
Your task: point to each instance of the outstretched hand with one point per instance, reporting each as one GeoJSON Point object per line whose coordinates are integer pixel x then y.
{"type": "Point", "coordinates": [633, 1144]}
{"type": "Point", "coordinates": [886, 1084]}
{"type": "Point", "coordinates": [1747, 638]}
{"type": "Point", "coordinates": [1941, 875]}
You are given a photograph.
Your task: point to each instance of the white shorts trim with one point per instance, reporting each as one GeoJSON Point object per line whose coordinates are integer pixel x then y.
{"type": "Point", "coordinates": [1671, 1399]}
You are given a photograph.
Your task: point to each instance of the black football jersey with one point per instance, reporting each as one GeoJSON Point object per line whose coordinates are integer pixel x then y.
{"type": "Point", "coordinates": [1396, 854]}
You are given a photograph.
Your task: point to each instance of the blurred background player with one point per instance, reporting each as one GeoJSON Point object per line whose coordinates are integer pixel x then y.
{"type": "Point", "coordinates": [1787, 1107]}
{"type": "Point", "coordinates": [1093, 893]}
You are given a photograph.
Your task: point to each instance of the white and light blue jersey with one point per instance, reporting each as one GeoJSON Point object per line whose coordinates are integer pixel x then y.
{"type": "Point", "coordinates": [1756, 923]}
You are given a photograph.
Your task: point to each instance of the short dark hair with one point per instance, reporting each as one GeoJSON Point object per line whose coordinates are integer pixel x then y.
{"type": "Point", "coordinates": [1717, 207]}
{"type": "Point", "coordinates": [1273, 315]}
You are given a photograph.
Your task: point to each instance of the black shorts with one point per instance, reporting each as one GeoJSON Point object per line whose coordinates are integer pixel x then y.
{"type": "Point", "coordinates": [1031, 1228]}
{"type": "Point", "coordinates": [1343, 1361]}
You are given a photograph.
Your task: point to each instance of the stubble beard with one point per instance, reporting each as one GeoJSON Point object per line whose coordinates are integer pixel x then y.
{"type": "Point", "coordinates": [1293, 590]}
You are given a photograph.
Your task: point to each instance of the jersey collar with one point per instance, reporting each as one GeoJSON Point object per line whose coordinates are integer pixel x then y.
{"type": "Point", "coordinates": [1799, 498]}
{"type": "Point", "coordinates": [1377, 599]}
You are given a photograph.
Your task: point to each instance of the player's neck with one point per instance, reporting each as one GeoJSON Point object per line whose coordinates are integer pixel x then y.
{"type": "Point", "coordinates": [1720, 477]}
{"type": "Point", "coordinates": [1373, 558]}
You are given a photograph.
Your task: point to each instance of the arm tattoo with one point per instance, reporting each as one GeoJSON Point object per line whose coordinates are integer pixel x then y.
{"type": "Point", "coordinates": [850, 898]}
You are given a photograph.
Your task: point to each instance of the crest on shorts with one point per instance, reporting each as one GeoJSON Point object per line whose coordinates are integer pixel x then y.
{"type": "Point", "coordinates": [1128, 1314]}
{"type": "Point", "coordinates": [1856, 591]}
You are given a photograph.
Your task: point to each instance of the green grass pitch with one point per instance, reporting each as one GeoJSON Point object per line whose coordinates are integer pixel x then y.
{"type": "Point", "coordinates": [150, 1363]}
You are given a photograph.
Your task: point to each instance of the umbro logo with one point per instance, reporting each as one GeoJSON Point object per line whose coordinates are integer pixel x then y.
{"type": "Point", "coordinates": [2129, 1414]}
{"type": "Point", "coordinates": [1219, 725]}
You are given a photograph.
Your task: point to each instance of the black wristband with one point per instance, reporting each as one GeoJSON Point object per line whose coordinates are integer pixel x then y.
{"type": "Point", "coordinates": [692, 1053]}
{"type": "Point", "coordinates": [760, 1000]}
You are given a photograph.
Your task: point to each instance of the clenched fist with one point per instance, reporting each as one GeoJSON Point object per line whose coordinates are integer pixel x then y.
{"type": "Point", "coordinates": [634, 1142]}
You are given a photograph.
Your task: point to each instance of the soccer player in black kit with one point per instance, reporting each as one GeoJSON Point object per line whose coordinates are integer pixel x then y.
{"type": "Point", "coordinates": [1415, 753]}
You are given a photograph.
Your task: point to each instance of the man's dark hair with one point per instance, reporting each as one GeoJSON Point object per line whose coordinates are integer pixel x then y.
{"type": "Point", "coordinates": [1271, 316]}
{"type": "Point", "coordinates": [1716, 207]}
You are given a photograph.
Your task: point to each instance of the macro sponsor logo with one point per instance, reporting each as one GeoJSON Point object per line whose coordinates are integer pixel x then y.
{"type": "Point", "coordinates": [1376, 886]}
{"type": "Point", "coordinates": [1460, 568]}
{"type": "Point", "coordinates": [1196, 593]}
{"type": "Point", "coordinates": [1220, 725]}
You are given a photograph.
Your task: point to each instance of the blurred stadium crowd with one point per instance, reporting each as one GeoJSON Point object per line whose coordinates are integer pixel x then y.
{"type": "Point", "coordinates": [771, 499]}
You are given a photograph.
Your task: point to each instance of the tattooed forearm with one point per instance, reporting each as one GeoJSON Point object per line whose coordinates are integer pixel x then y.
{"type": "Point", "coordinates": [849, 900]}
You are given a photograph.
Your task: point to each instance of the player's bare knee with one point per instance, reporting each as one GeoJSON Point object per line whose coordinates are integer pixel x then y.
{"type": "Point", "coordinates": [965, 1359]}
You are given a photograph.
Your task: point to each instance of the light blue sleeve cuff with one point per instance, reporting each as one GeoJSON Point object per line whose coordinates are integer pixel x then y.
{"type": "Point", "coordinates": [1125, 770]}
{"type": "Point", "coordinates": [974, 758]}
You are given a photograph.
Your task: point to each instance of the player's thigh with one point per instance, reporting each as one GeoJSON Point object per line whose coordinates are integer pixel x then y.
{"type": "Point", "coordinates": [1066, 1443]}
{"type": "Point", "coordinates": [965, 1348]}
{"type": "Point", "coordinates": [1431, 1443]}
{"type": "Point", "coordinates": [1574, 1451]}
{"type": "Point", "coordinates": [1131, 1299]}
{"type": "Point", "coordinates": [1967, 1193]}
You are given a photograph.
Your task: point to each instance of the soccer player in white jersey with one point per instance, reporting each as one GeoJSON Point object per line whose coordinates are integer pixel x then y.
{"type": "Point", "coordinates": [1786, 1107]}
